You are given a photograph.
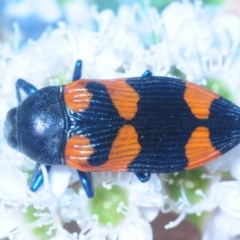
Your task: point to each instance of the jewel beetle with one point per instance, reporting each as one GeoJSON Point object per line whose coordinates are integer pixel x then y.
{"type": "Point", "coordinates": [143, 125]}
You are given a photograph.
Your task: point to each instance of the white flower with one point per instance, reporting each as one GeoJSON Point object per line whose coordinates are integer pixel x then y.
{"type": "Point", "coordinates": [23, 213]}
{"type": "Point", "coordinates": [121, 202]}
{"type": "Point", "coordinates": [222, 227]}
{"type": "Point", "coordinates": [225, 223]}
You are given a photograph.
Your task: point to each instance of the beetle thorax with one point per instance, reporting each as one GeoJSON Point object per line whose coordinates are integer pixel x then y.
{"type": "Point", "coordinates": [41, 126]}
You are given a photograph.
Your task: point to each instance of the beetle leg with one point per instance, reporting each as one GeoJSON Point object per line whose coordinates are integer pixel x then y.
{"type": "Point", "coordinates": [143, 177]}
{"type": "Point", "coordinates": [77, 73]}
{"type": "Point", "coordinates": [147, 74]}
{"type": "Point", "coordinates": [37, 177]}
{"type": "Point", "coordinates": [27, 88]}
{"type": "Point", "coordinates": [86, 181]}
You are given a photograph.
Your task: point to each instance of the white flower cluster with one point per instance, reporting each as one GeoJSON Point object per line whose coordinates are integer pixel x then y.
{"type": "Point", "coordinates": [185, 38]}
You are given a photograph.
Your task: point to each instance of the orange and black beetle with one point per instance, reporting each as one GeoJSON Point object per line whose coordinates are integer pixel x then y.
{"type": "Point", "coordinates": [143, 125]}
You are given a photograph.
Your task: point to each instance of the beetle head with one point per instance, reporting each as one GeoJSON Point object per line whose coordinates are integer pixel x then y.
{"type": "Point", "coordinates": [10, 128]}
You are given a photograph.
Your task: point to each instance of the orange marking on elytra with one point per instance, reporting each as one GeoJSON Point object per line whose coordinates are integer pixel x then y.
{"type": "Point", "coordinates": [199, 100]}
{"type": "Point", "coordinates": [125, 148]}
{"type": "Point", "coordinates": [78, 149]}
{"type": "Point", "coordinates": [124, 97]}
{"type": "Point", "coordinates": [76, 96]}
{"type": "Point", "coordinates": [199, 148]}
